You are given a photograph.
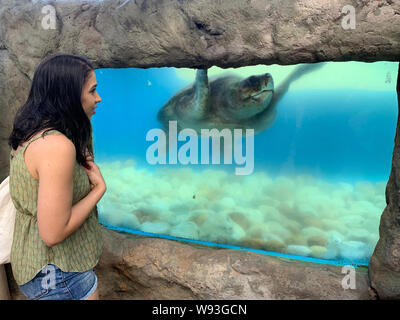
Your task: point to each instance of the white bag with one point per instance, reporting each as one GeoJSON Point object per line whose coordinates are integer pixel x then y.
{"type": "Point", "coordinates": [7, 221]}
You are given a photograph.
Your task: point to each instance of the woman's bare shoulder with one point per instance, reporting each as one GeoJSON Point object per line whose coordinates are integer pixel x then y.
{"type": "Point", "coordinates": [56, 146]}
{"type": "Point", "coordinates": [49, 150]}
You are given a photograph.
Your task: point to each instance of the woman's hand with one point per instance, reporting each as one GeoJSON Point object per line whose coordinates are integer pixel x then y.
{"type": "Point", "coordinates": [94, 174]}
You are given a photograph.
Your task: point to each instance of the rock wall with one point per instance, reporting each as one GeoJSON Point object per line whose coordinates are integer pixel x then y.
{"type": "Point", "coordinates": [384, 266]}
{"type": "Point", "coordinates": [150, 269]}
{"type": "Point", "coordinates": [225, 33]}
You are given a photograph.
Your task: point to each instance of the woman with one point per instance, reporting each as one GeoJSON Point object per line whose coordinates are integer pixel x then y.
{"type": "Point", "coordinates": [55, 185]}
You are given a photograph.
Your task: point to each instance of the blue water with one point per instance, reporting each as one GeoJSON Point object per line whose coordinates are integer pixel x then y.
{"type": "Point", "coordinates": [335, 136]}
{"type": "Point", "coordinates": [346, 135]}
{"type": "Point", "coordinates": [128, 109]}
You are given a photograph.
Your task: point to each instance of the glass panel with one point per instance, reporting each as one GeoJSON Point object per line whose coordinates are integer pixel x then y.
{"type": "Point", "coordinates": [314, 186]}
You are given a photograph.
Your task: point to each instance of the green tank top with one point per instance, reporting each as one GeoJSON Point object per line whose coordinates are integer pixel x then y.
{"type": "Point", "coordinates": [79, 252]}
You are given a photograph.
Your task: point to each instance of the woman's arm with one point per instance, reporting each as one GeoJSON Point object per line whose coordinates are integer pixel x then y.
{"type": "Point", "coordinates": [81, 210]}
{"type": "Point", "coordinates": [57, 218]}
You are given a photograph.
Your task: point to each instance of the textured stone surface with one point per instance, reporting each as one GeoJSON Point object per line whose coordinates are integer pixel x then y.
{"type": "Point", "coordinates": [384, 266]}
{"type": "Point", "coordinates": [225, 33]}
{"type": "Point", "coordinates": [147, 268]}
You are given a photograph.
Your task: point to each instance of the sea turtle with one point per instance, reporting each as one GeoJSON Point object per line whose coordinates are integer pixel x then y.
{"type": "Point", "coordinates": [228, 102]}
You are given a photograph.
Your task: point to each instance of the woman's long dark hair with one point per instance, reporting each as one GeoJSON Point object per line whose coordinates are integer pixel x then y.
{"type": "Point", "coordinates": [54, 102]}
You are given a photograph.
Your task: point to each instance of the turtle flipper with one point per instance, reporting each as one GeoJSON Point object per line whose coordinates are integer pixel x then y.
{"type": "Point", "coordinates": [296, 74]}
{"type": "Point", "coordinates": [264, 121]}
{"type": "Point", "coordinates": [198, 109]}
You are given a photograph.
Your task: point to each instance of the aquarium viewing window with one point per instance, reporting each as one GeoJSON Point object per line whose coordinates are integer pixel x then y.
{"type": "Point", "coordinates": [308, 181]}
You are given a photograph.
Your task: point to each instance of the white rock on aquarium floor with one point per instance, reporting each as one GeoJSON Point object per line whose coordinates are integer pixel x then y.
{"type": "Point", "coordinates": [186, 229]}
{"type": "Point", "coordinates": [312, 232]}
{"type": "Point", "coordinates": [318, 251]}
{"type": "Point", "coordinates": [129, 220]}
{"type": "Point", "coordinates": [353, 250]}
{"type": "Point", "coordinates": [155, 227]}
{"type": "Point", "coordinates": [299, 250]}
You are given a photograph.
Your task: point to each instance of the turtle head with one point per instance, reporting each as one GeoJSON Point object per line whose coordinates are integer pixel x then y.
{"type": "Point", "coordinates": [254, 94]}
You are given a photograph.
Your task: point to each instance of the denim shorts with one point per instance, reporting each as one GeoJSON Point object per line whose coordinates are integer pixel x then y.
{"type": "Point", "coordinates": [51, 283]}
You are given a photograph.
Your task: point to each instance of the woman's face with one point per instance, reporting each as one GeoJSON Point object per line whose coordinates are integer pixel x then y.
{"type": "Point", "coordinates": [89, 95]}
